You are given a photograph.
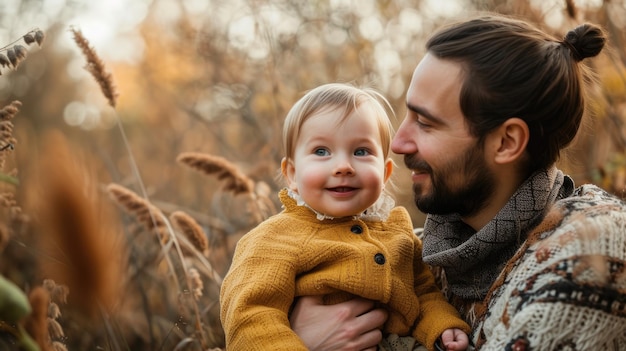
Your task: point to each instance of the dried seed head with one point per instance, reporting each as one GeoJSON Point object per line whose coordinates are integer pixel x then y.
{"type": "Point", "coordinates": [146, 213]}
{"type": "Point", "coordinates": [77, 225]}
{"type": "Point", "coordinates": [196, 283]}
{"type": "Point", "coordinates": [4, 61]}
{"type": "Point", "coordinates": [12, 54]}
{"type": "Point", "coordinates": [58, 292]}
{"type": "Point", "coordinates": [234, 180]}
{"type": "Point", "coordinates": [20, 52]}
{"type": "Point", "coordinates": [54, 311]}
{"type": "Point", "coordinates": [9, 111]}
{"type": "Point", "coordinates": [39, 36]}
{"type": "Point", "coordinates": [96, 67]}
{"type": "Point", "coordinates": [55, 329]}
{"type": "Point", "coordinates": [28, 38]}
{"type": "Point", "coordinates": [192, 231]}
{"type": "Point", "coordinates": [12, 57]}
{"type": "Point", "coordinates": [58, 346]}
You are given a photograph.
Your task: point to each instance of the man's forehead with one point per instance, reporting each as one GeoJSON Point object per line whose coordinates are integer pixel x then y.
{"type": "Point", "coordinates": [435, 89]}
{"type": "Point", "coordinates": [435, 75]}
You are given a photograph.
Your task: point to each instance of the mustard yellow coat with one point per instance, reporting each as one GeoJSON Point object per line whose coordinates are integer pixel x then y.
{"type": "Point", "coordinates": [294, 254]}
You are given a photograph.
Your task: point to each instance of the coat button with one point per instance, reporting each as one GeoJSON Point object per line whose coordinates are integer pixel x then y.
{"type": "Point", "coordinates": [379, 258]}
{"type": "Point", "coordinates": [356, 229]}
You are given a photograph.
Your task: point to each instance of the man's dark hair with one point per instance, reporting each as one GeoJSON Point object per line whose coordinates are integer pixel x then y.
{"type": "Point", "coordinates": [513, 69]}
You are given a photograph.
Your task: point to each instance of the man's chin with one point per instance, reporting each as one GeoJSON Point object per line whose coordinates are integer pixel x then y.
{"type": "Point", "coordinates": [423, 203]}
{"type": "Point", "coordinates": [428, 205]}
{"type": "Point", "coordinates": [421, 198]}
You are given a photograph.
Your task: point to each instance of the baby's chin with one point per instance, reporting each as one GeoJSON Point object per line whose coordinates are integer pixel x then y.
{"type": "Point", "coordinates": [340, 214]}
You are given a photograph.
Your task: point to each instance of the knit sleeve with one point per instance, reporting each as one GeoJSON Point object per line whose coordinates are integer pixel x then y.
{"type": "Point", "coordinates": [436, 314]}
{"type": "Point", "coordinates": [567, 288]}
{"type": "Point", "coordinates": [257, 293]}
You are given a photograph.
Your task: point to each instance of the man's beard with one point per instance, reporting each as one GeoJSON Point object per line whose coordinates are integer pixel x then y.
{"type": "Point", "coordinates": [474, 185]}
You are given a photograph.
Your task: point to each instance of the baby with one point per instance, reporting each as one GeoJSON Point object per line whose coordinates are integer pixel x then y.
{"type": "Point", "coordinates": [339, 234]}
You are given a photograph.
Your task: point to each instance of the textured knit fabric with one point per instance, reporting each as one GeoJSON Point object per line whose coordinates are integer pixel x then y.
{"type": "Point", "coordinates": [564, 287]}
{"type": "Point", "coordinates": [294, 254]}
{"type": "Point", "coordinates": [394, 342]}
{"type": "Point", "coordinates": [472, 260]}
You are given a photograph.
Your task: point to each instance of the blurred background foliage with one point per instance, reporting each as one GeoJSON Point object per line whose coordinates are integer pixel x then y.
{"type": "Point", "coordinates": [218, 77]}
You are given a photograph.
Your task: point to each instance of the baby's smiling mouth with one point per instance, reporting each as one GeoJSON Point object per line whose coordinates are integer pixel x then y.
{"type": "Point", "coordinates": [342, 189]}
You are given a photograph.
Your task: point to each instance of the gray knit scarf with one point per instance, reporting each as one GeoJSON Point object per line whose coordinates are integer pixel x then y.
{"type": "Point", "coordinates": [472, 260]}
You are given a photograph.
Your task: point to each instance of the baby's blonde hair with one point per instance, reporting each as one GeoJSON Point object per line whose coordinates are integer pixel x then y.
{"type": "Point", "coordinates": [337, 96]}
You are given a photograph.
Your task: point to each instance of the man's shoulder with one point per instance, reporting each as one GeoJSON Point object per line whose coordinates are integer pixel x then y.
{"type": "Point", "coordinates": [589, 222]}
{"type": "Point", "coordinates": [593, 193]}
{"type": "Point", "coordinates": [591, 201]}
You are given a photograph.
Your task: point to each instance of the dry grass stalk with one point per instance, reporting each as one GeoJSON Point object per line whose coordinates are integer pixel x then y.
{"type": "Point", "coordinates": [147, 214]}
{"type": "Point", "coordinates": [5, 236]}
{"type": "Point", "coordinates": [153, 218]}
{"type": "Point", "coordinates": [37, 322]}
{"type": "Point", "coordinates": [196, 242]}
{"type": "Point", "coordinates": [79, 230]}
{"type": "Point", "coordinates": [235, 180]}
{"type": "Point", "coordinates": [192, 230]}
{"type": "Point", "coordinates": [571, 8]}
{"type": "Point", "coordinates": [96, 67]}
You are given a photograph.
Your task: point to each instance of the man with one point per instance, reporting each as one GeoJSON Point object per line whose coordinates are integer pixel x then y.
{"type": "Point", "coordinates": [530, 261]}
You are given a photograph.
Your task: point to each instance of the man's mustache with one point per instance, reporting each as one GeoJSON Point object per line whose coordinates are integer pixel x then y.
{"type": "Point", "coordinates": [416, 164]}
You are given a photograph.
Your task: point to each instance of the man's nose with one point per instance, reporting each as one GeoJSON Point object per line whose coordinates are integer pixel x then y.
{"type": "Point", "coordinates": [403, 142]}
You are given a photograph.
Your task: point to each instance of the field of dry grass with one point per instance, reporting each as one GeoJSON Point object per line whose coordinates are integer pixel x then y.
{"type": "Point", "coordinates": [117, 238]}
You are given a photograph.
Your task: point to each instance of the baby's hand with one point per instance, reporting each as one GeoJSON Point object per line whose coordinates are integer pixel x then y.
{"type": "Point", "coordinates": [454, 340]}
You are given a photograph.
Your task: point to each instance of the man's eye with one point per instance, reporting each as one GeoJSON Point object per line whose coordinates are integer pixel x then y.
{"type": "Point", "coordinates": [321, 152]}
{"type": "Point", "coordinates": [422, 124]}
{"type": "Point", "coordinates": [361, 152]}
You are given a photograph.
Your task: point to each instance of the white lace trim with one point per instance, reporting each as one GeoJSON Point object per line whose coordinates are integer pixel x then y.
{"type": "Point", "coordinates": [379, 211]}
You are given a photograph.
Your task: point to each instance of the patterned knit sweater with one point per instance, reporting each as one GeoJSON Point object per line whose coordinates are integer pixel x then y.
{"type": "Point", "coordinates": [294, 254]}
{"type": "Point", "coordinates": [564, 288]}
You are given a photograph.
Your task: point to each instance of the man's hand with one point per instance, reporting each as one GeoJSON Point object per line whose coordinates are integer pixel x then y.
{"type": "Point", "coordinates": [351, 325]}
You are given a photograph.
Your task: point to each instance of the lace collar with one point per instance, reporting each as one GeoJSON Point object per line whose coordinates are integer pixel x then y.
{"type": "Point", "coordinates": [379, 211]}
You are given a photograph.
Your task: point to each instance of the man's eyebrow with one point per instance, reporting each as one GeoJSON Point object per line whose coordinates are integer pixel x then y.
{"type": "Point", "coordinates": [424, 113]}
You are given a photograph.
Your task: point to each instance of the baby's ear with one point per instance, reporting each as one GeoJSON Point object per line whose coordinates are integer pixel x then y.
{"type": "Point", "coordinates": [388, 169]}
{"type": "Point", "coordinates": [288, 170]}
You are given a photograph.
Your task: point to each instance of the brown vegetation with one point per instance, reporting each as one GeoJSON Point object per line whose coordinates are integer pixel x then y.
{"type": "Point", "coordinates": [147, 276]}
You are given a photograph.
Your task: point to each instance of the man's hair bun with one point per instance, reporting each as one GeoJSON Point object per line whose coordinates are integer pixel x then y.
{"type": "Point", "coordinates": [586, 40]}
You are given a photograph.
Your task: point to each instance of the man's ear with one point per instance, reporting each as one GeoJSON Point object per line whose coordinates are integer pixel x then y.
{"type": "Point", "coordinates": [509, 141]}
{"type": "Point", "coordinates": [288, 170]}
{"type": "Point", "coordinates": [388, 169]}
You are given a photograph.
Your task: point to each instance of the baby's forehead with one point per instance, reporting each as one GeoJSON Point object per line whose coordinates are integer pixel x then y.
{"type": "Point", "coordinates": [333, 117]}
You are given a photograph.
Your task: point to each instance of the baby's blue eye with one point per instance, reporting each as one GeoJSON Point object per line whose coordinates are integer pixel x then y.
{"type": "Point", "coordinates": [321, 152]}
{"type": "Point", "coordinates": [361, 152]}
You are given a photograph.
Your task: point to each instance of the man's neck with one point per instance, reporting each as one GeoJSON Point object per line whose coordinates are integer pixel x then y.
{"type": "Point", "coordinates": [506, 186]}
